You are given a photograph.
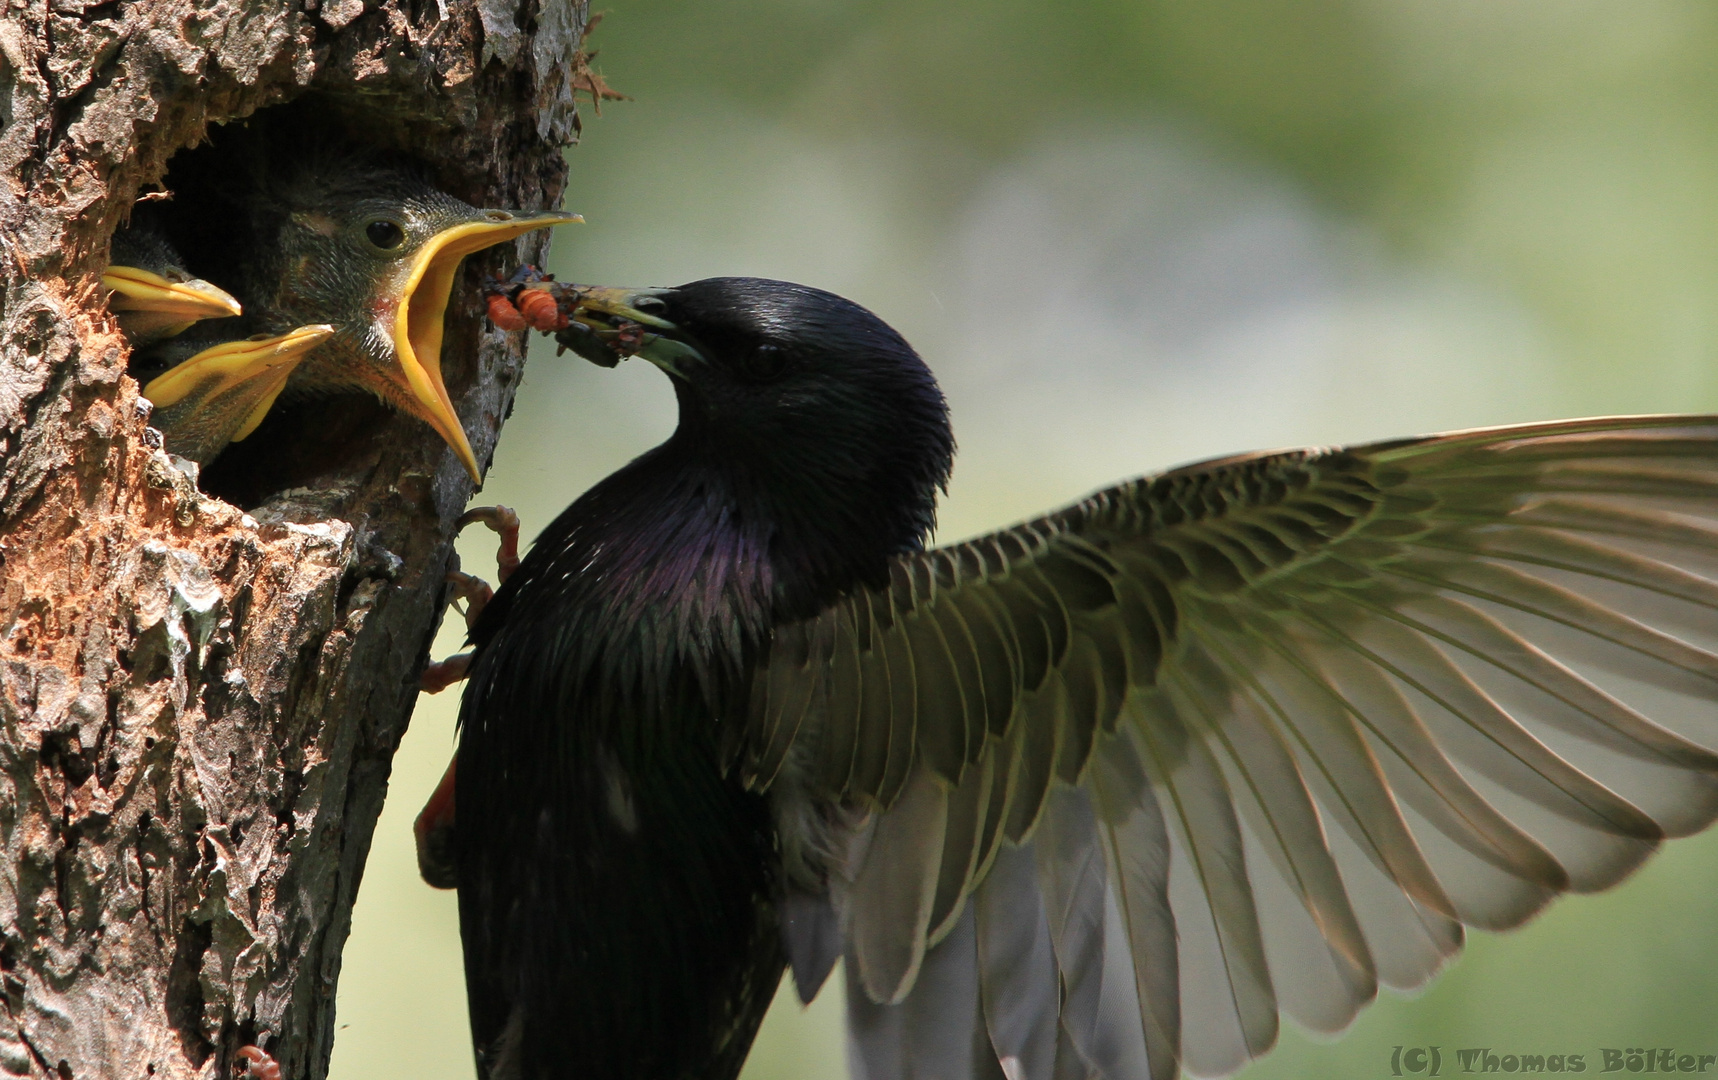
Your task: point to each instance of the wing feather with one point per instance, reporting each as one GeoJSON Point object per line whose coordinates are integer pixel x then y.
{"type": "Point", "coordinates": [1257, 734]}
{"type": "Point", "coordinates": [940, 687]}
{"type": "Point", "coordinates": [979, 683]}
{"type": "Point", "coordinates": [895, 887]}
{"type": "Point", "coordinates": [998, 650]}
{"type": "Point", "coordinates": [787, 691]}
{"type": "Point", "coordinates": [1231, 991]}
{"type": "Point", "coordinates": [1032, 632]}
{"type": "Point", "coordinates": [1035, 739]}
{"type": "Point", "coordinates": [1274, 803]}
{"type": "Point", "coordinates": [877, 754]}
{"type": "Point", "coordinates": [1136, 842]}
{"type": "Point", "coordinates": [903, 702]}
{"type": "Point", "coordinates": [1074, 880]}
{"type": "Point", "coordinates": [1083, 707]}
{"type": "Point", "coordinates": [999, 763]}
{"type": "Point", "coordinates": [917, 1039]}
{"type": "Point", "coordinates": [1341, 768]}
{"type": "Point", "coordinates": [840, 704]}
{"type": "Point", "coordinates": [1017, 967]}
{"type": "Point", "coordinates": [1485, 736]}
{"type": "Point", "coordinates": [968, 805]}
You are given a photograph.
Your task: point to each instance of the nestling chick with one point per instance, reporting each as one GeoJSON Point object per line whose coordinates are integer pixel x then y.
{"type": "Point", "coordinates": [151, 293]}
{"type": "Point", "coordinates": [372, 250]}
{"type": "Point", "coordinates": [207, 395]}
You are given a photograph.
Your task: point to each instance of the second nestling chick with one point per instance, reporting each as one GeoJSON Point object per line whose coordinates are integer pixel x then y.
{"type": "Point", "coordinates": [372, 250]}
{"type": "Point", "coordinates": [210, 390]}
{"type": "Point", "coordinates": [151, 293]}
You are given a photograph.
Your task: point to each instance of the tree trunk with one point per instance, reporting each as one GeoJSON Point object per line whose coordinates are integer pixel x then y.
{"type": "Point", "coordinates": [199, 698]}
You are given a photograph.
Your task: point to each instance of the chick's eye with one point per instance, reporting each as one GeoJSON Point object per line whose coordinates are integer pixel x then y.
{"type": "Point", "coordinates": [385, 234]}
{"type": "Point", "coordinates": [764, 363]}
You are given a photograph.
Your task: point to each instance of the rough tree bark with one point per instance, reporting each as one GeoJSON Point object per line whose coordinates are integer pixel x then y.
{"type": "Point", "coordinates": [199, 698]}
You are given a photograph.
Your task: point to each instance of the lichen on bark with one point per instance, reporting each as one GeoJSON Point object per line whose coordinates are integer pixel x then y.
{"type": "Point", "coordinates": [199, 698]}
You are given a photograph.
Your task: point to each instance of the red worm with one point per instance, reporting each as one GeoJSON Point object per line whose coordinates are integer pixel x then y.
{"type": "Point", "coordinates": [540, 310]}
{"type": "Point", "coordinates": [504, 315]}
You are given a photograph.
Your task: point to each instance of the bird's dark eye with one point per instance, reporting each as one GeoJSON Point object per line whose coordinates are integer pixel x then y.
{"type": "Point", "coordinates": [763, 363]}
{"type": "Point", "coordinates": [385, 234]}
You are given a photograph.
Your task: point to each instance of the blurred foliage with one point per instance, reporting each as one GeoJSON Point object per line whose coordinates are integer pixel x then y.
{"type": "Point", "coordinates": [1127, 233]}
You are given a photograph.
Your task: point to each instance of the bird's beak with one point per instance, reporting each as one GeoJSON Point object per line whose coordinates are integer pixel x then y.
{"type": "Point", "coordinates": [613, 318]}
{"type": "Point", "coordinates": [146, 301]}
{"type": "Point", "coordinates": [261, 364]}
{"type": "Point", "coordinates": [423, 306]}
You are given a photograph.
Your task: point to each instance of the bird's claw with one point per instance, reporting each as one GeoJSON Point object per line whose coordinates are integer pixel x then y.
{"type": "Point", "coordinates": [254, 1063]}
{"type": "Point", "coordinates": [441, 674]}
{"type": "Point", "coordinates": [474, 591]}
{"type": "Point", "coordinates": [504, 523]}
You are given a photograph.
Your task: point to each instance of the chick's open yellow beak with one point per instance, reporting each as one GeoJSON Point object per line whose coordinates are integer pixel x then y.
{"type": "Point", "coordinates": [220, 369]}
{"type": "Point", "coordinates": [419, 319]}
{"type": "Point", "coordinates": [143, 296]}
{"type": "Point", "coordinates": [220, 395]}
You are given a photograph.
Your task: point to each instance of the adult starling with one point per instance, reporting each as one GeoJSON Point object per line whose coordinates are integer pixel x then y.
{"type": "Point", "coordinates": [373, 250]}
{"type": "Point", "coordinates": [1097, 795]}
{"type": "Point", "coordinates": [151, 293]}
{"type": "Point", "coordinates": [208, 395]}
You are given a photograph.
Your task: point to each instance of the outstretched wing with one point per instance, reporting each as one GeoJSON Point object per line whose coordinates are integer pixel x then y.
{"type": "Point", "coordinates": [1252, 735]}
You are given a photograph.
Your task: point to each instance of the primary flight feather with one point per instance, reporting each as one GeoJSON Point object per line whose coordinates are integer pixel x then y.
{"type": "Point", "coordinates": [1103, 794]}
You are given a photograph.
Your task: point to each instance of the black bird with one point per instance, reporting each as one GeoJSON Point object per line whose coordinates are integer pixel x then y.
{"type": "Point", "coordinates": [151, 293]}
{"type": "Point", "coordinates": [1098, 795]}
{"type": "Point", "coordinates": [210, 389]}
{"type": "Point", "coordinates": [372, 248]}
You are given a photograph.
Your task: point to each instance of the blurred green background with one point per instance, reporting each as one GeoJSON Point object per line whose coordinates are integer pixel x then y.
{"type": "Point", "coordinates": [1126, 234]}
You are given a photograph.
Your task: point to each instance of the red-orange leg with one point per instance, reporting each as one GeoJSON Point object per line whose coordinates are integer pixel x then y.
{"type": "Point", "coordinates": [438, 675]}
{"type": "Point", "coordinates": [255, 1064]}
{"type": "Point", "coordinates": [505, 524]}
{"type": "Point", "coordinates": [433, 831]}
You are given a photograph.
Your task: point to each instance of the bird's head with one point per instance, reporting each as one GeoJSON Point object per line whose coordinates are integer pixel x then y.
{"type": "Point", "coordinates": [812, 399]}
{"type": "Point", "coordinates": [374, 250]}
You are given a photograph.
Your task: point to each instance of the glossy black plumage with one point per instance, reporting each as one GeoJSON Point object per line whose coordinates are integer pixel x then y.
{"type": "Point", "coordinates": [612, 876]}
{"type": "Point", "coordinates": [1097, 795]}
